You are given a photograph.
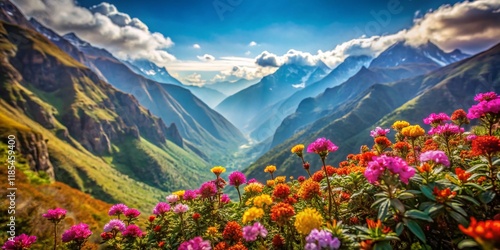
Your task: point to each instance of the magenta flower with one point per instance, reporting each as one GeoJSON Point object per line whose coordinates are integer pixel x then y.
{"type": "Point", "coordinates": [446, 130]}
{"type": "Point", "coordinates": [488, 96]}
{"type": "Point", "coordinates": [225, 199]}
{"type": "Point", "coordinates": [250, 233]}
{"type": "Point", "coordinates": [208, 189]}
{"type": "Point", "coordinates": [471, 137]}
{"type": "Point", "coordinates": [322, 146]}
{"type": "Point", "coordinates": [190, 195]}
{"type": "Point", "coordinates": [436, 119]}
{"type": "Point", "coordinates": [117, 209]}
{"type": "Point", "coordinates": [161, 208]}
{"type": "Point", "coordinates": [19, 242]}
{"type": "Point", "coordinates": [114, 224]}
{"type": "Point", "coordinates": [237, 178]}
{"type": "Point", "coordinates": [180, 208]}
{"type": "Point", "coordinates": [79, 233]}
{"type": "Point", "coordinates": [173, 198]}
{"type": "Point", "coordinates": [394, 165]}
{"type": "Point", "coordinates": [437, 156]}
{"type": "Point", "coordinates": [132, 231]}
{"type": "Point", "coordinates": [132, 213]}
{"type": "Point", "coordinates": [378, 131]}
{"type": "Point", "coordinates": [252, 181]}
{"type": "Point", "coordinates": [55, 215]}
{"type": "Point", "coordinates": [197, 243]}
{"type": "Point", "coordinates": [489, 103]}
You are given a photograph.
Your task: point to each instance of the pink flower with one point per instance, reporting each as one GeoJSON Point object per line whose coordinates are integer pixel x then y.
{"type": "Point", "coordinates": [436, 119]}
{"type": "Point", "coordinates": [22, 241]}
{"type": "Point", "coordinates": [446, 130]}
{"type": "Point", "coordinates": [250, 233]}
{"type": "Point", "coordinates": [117, 209]}
{"type": "Point", "coordinates": [180, 208]}
{"type": "Point", "coordinates": [489, 103]}
{"type": "Point", "coordinates": [161, 208]}
{"type": "Point", "coordinates": [485, 96]}
{"type": "Point", "coordinates": [225, 199]}
{"type": "Point", "coordinates": [132, 231]}
{"type": "Point", "coordinates": [208, 189]}
{"type": "Point", "coordinates": [322, 146]}
{"type": "Point", "coordinates": [471, 137]}
{"type": "Point", "coordinates": [79, 233]}
{"type": "Point", "coordinates": [190, 195]}
{"type": "Point", "coordinates": [132, 213]}
{"type": "Point", "coordinates": [437, 156]}
{"type": "Point", "coordinates": [237, 178]}
{"type": "Point", "coordinates": [114, 224]}
{"type": "Point", "coordinates": [172, 198]}
{"type": "Point", "coordinates": [55, 215]}
{"type": "Point", "coordinates": [393, 164]}
{"type": "Point", "coordinates": [196, 243]}
{"type": "Point", "coordinates": [378, 131]}
{"type": "Point", "coordinates": [252, 181]}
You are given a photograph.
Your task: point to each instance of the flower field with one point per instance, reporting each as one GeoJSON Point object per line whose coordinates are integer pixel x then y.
{"type": "Point", "coordinates": [411, 189]}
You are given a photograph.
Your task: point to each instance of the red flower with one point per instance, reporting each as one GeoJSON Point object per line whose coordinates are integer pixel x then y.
{"type": "Point", "coordinates": [459, 117]}
{"type": "Point", "coordinates": [318, 176]}
{"type": "Point", "coordinates": [232, 231]}
{"type": "Point", "coordinates": [151, 218]}
{"type": "Point", "coordinates": [485, 145]}
{"type": "Point", "coordinates": [282, 212]}
{"type": "Point", "coordinates": [462, 174]}
{"type": "Point", "coordinates": [281, 191]}
{"type": "Point", "coordinates": [301, 179]}
{"type": "Point", "coordinates": [157, 228]}
{"type": "Point", "coordinates": [383, 141]}
{"type": "Point", "coordinates": [278, 241]}
{"type": "Point", "coordinates": [443, 195]}
{"type": "Point", "coordinates": [306, 165]}
{"type": "Point", "coordinates": [486, 233]}
{"type": "Point", "coordinates": [330, 170]}
{"type": "Point", "coordinates": [161, 244]}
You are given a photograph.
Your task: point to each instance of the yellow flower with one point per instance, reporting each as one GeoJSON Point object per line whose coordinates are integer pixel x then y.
{"type": "Point", "coordinates": [179, 193]}
{"type": "Point", "coordinates": [249, 201]}
{"type": "Point", "coordinates": [307, 220]}
{"type": "Point", "coordinates": [280, 179]}
{"type": "Point", "coordinates": [398, 125]}
{"type": "Point", "coordinates": [254, 187]}
{"type": "Point", "coordinates": [270, 183]}
{"type": "Point", "coordinates": [270, 169]}
{"type": "Point", "coordinates": [212, 231]}
{"type": "Point", "coordinates": [297, 149]}
{"type": "Point", "coordinates": [413, 131]}
{"type": "Point", "coordinates": [262, 200]}
{"type": "Point", "coordinates": [252, 214]}
{"type": "Point", "coordinates": [217, 170]}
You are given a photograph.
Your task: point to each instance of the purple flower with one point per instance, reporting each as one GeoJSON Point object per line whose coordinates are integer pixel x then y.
{"type": "Point", "coordinates": [161, 208]}
{"type": "Point", "coordinates": [173, 198]}
{"type": "Point", "coordinates": [132, 231]}
{"type": "Point", "coordinates": [394, 165]}
{"type": "Point", "coordinates": [208, 189]}
{"type": "Point", "coordinates": [471, 137]}
{"type": "Point", "coordinates": [79, 232]}
{"type": "Point", "coordinates": [114, 224]}
{"type": "Point", "coordinates": [446, 130]}
{"type": "Point", "coordinates": [322, 146]}
{"type": "Point", "coordinates": [180, 208]}
{"type": "Point", "coordinates": [225, 199]}
{"type": "Point", "coordinates": [237, 178]}
{"type": "Point", "coordinates": [436, 119]}
{"type": "Point", "coordinates": [132, 213]}
{"type": "Point", "coordinates": [321, 240]}
{"type": "Point", "coordinates": [22, 241]}
{"type": "Point", "coordinates": [250, 233]}
{"type": "Point", "coordinates": [190, 195]}
{"type": "Point", "coordinates": [437, 156]}
{"type": "Point", "coordinates": [117, 209]}
{"type": "Point", "coordinates": [378, 131]}
{"type": "Point", "coordinates": [55, 215]}
{"type": "Point", "coordinates": [197, 243]}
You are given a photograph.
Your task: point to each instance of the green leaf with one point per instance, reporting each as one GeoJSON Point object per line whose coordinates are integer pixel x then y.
{"type": "Point", "coordinates": [399, 228]}
{"type": "Point", "coordinates": [379, 201]}
{"type": "Point", "coordinates": [477, 166]}
{"type": "Point", "coordinates": [415, 229]}
{"type": "Point", "coordinates": [382, 245]}
{"type": "Point", "coordinates": [468, 198]}
{"type": "Point", "coordinates": [397, 204]}
{"type": "Point", "coordinates": [453, 179]}
{"type": "Point", "coordinates": [487, 196]}
{"type": "Point", "coordinates": [467, 243]}
{"type": "Point", "coordinates": [417, 214]}
{"type": "Point", "coordinates": [474, 185]}
{"type": "Point", "coordinates": [406, 195]}
{"type": "Point", "coordinates": [459, 218]}
{"type": "Point", "coordinates": [383, 209]}
{"type": "Point", "coordinates": [496, 162]}
{"type": "Point", "coordinates": [427, 192]}
{"type": "Point", "coordinates": [457, 207]}
{"type": "Point", "coordinates": [474, 176]}
{"type": "Point", "coordinates": [434, 208]}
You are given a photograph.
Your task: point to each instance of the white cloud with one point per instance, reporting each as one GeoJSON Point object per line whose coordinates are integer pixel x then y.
{"type": "Point", "coordinates": [196, 46]}
{"type": "Point", "coordinates": [252, 44]}
{"type": "Point", "coordinates": [206, 58]}
{"type": "Point", "coordinates": [194, 79]}
{"type": "Point", "coordinates": [248, 53]}
{"type": "Point", "coordinates": [238, 72]}
{"type": "Point", "coordinates": [267, 59]}
{"type": "Point", "coordinates": [102, 25]}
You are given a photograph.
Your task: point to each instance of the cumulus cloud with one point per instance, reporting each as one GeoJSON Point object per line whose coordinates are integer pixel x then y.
{"type": "Point", "coordinates": [102, 25]}
{"type": "Point", "coordinates": [196, 46]}
{"type": "Point", "coordinates": [466, 25]}
{"type": "Point", "coordinates": [206, 58]}
{"type": "Point", "coordinates": [266, 59]}
{"type": "Point", "coordinates": [239, 72]}
{"type": "Point", "coordinates": [194, 79]}
{"type": "Point", "coordinates": [252, 43]}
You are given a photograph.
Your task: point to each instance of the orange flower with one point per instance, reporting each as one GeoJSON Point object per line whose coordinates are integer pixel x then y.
{"type": "Point", "coordinates": [481, 179]}
{"type": "Point", "coordinates": [270, 183]}
{"type": "Point", "coordinates": [254, 188]}
{"type": "Point", "coordinates": [459, 117]}
{"type": "Point", "coordinates": [486, 233]}
{"type": "Point", "coordinates": [429, 145]}
{"type": "Point", "coordinates": [343, 164]}
{"type": "Point", "coordinates": [282, 212]}
{"type": "Point", "coordinates": [330, 170]}
{"type": "Point", "coordinates": [270, 169]}
{"type": "Point", "coordinates": [232, 231]}
{"type": "Point", "coordinates": [462, 174]}
{"type": "Point", "coordinates": [221, 246]}
{"type": "Point", "coordinates": [365, 158]}
{"type": "Point", "coordinates": [443, 195]}
{"type": "Point", "coordinates": [425, 168]}
{"type": "Point", "coordinates": [309, 189]}
{"type": "Point", "coordinates": [281, 191]}
{"type": "Point", "coordinates": [318, 176]}
{"type": "Point", "coordinates": [373, 225]}
{"type": "Point", "coordinates": [485, 145]}
{"type": "Point", "coordinates": [238, 246]}
{"type": "Point", "coordinates": [383, 141]}
{"type": "Point", "coordinates": [413, 131]}
{"type": "Point", "coordinates": [366, 245]}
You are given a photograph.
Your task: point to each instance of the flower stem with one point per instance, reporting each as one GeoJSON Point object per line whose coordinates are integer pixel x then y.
{"type": "Point", "coordinates": [239, 194]}
{"type": "Point", "coordinates": [55, 235]}
{"type": "Point", "coordinates": [329, 190]}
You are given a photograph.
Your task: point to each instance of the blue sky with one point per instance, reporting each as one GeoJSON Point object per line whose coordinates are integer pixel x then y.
{"type": "Point", "coordinates": [202, 41]}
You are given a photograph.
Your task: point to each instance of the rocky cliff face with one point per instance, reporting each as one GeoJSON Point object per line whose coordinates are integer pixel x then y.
{"type": "Point", "coordinates": [34, 148]}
